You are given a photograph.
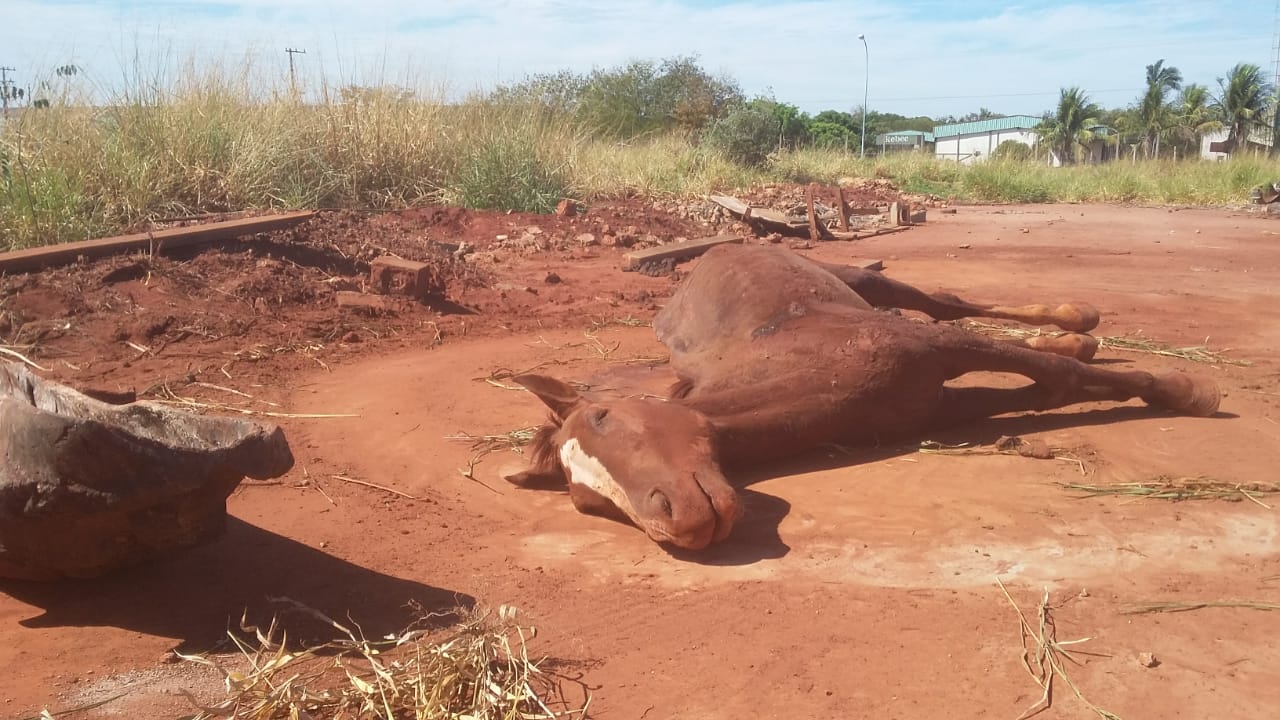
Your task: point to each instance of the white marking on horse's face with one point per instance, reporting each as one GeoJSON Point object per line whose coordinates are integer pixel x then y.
{"type": "Point", "coordinates": [589, 472]}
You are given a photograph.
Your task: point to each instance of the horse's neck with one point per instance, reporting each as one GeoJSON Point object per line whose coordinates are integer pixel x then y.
{"type": "Point", "coordinates": [761, 423]}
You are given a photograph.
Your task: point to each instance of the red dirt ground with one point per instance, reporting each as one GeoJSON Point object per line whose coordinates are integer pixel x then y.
{"type": "Point", "coordinates": [858, 585]}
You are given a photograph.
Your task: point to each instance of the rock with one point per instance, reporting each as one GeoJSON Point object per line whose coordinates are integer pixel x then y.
{"type": "Point", "coordinates": [1148, 660]}
{"type": "Point", "coordinates": [553, 279]}
{"type": "Point", "coordinates": [396, 276]}
{"type": "Point", "coordinates": [566, 208]}
{"type": "Point", "coordinates": [964, 246]}
{"type": "Point", "coordinates": [87, 487]}
{"type": "Point", "coordinates": [586, 239]}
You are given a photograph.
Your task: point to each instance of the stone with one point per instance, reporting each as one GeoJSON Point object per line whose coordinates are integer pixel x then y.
{"type": "Point", "coordinates": [369, 303]}
{"type": "Point", "coordinates": [586, 239]}
{"type": "Point", "coordinates": [87, 487]}
{"type": "Point", "coordinates": [396, 276]}
{"type": "Point", "coordinates": [566, 208]}
{"type": "Point", "coordinates": [1148, 660]}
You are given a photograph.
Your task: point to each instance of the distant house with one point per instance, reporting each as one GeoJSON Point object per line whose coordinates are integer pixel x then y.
{"type": "Point", "coordinates": [913, 140]}
{"type": "Point", "coordinates": [1213, 144]}
{"type": "Point", "coordinates": [971, 142]}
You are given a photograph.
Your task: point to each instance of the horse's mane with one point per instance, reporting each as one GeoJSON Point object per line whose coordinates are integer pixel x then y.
{"type": "Point", "coordinates": [543, 455]}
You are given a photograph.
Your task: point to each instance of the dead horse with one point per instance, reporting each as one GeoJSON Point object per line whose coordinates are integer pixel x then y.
{"type": "Point", "coordinates": [775, 355]}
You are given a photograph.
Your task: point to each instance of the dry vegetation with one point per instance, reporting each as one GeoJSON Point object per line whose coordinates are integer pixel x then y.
{"type": "Point", "coordinates": [213, 140]}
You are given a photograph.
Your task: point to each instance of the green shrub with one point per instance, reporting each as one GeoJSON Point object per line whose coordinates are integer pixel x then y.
{"type": "Point", "coordinates": [1012, 151]}
{"type": "Point", "coordinates": [746, 135]}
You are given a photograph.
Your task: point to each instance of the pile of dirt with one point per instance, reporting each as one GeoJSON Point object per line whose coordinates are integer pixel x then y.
{"type": "Point", "coordinates": [267, 305]}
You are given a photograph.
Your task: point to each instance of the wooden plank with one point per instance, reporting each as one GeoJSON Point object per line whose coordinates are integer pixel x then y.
{"type": "Point", "coordinates": [763, 217]}
{"type": "Point", "coordinates": [844, 208]}
{"type": "Point", "coordinates": [167, 239]}
{"type": "Point", "coordinates": [675, 251]}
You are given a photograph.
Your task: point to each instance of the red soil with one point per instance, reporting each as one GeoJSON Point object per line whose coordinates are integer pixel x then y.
{"type": "Point", "coordinates": [857, 585]}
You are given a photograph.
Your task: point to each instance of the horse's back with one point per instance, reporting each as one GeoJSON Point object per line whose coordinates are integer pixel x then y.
{"type": "Point", "coordinates": [740, 292]}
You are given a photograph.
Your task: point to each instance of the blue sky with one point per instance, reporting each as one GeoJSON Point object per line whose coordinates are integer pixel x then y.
{"type": "Point", "coordinates": [930, 57]}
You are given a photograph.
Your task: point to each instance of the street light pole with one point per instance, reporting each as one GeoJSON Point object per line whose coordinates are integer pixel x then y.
{"type": "Point", "coordinates": [866, 81]}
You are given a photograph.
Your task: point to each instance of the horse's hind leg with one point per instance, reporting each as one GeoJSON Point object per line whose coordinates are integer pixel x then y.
{"type": "Point", "coordinates": [1062, 381]}
{"type": "Point", "coordinates": [882, 291]}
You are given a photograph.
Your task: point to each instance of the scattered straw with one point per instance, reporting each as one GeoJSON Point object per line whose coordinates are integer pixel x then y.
{"type": "Point", "coordinates": [375, 486]}
{"type": "Point", "coordinates": [514, 440]}
{"type": "Point", "coordinates": [480, 669]}
{"type": "Point", "coordinates": [169, 397]}
{"type": "Point", "coordinates": [628, 321]}
{"type": "Point", "coordinates": [1125, 343]}
{"type": "Point", "coordinates": [1006, 446]}
{"type": "Point", "coordinates": [1043, 654]}
{"type": "Point", "coordinates": [1165, 487]}
{"type": "Point", "coordinates": [19, 356]}
{"type": "Point", "coordinates": [1172, 607]}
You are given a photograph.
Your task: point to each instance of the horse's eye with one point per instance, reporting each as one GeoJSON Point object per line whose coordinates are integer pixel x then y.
{"type": "Point", "coordinates": [597, 417]}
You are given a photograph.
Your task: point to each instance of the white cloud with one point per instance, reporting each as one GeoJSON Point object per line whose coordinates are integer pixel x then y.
{"type": "Point", "coordinates": [926, 57]}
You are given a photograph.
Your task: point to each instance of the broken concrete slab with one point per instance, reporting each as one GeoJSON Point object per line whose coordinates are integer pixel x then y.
{"type": "Point", "coordinates": [675, 251]}
{"type": "Point", "coordinates": [87, 487]}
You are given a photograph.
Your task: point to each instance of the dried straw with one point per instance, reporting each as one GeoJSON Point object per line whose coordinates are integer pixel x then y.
{"type": "Point", "coordinates": [1043, 654]}
{"type": "Point", "coordinates": [1165, 487]}
{"type": "Point", "coordinates": [1171, 607]}
{"type": "Point", "coordinates": [1125, 343]}
{"type": "Point", "coordinates": [480, 669]}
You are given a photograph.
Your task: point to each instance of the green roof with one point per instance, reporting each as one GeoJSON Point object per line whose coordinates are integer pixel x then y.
{"type": "Point", "coordinates": [1013, 122]}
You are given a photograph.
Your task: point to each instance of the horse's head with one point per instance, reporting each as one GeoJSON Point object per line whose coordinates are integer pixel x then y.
{"type": "Point", "coordinates": [649, 460]}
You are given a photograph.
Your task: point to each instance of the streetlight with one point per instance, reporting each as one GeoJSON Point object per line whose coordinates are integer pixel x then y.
{"type": "Point", "coordinates": [866, 81]}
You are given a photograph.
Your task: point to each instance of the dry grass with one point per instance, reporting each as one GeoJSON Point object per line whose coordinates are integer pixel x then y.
{"type": "Point", "coordinates": [1045, 656]}
{"type": "Point", "coordinates": [1175, 489]}
{"type": "Point", "coordinates": [1172, 607]}
{"type": "Point", "coordinates": [180, 141]}
{"type": "Point", "coordinates": [1132, 343]}
{"type": "Point", "coordinates": [480, 670]}
{"type": "Point", "coordinates": [513, 440]}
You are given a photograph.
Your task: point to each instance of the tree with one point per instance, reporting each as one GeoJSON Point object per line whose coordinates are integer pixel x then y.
{"type": "Point", "coordinates": [1068, 127]}
{"type": "Point", "coordinates": [632, 99]}
{"type": "Point", "coordinates": [1153, 111]}
{"type": "Point", "coordinates": [1243, 103]}
{"type": "Point", "coordinates": [793, 125]}
{"type": "Point", "coordinates": [1194, 116]}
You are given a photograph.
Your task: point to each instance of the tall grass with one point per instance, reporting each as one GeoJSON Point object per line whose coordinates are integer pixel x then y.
{"type": "Point", "coordinates": [216, 140]}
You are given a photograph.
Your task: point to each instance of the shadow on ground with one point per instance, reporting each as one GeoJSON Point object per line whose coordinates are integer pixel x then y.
{"type": "Point", "coordinates": [195, 597]}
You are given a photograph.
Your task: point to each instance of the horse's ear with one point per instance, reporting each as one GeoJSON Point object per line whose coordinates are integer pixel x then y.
{"type": "Point", "coordinates": [536, 479]}
{"type": "Point", "coordinates": [557, 395]}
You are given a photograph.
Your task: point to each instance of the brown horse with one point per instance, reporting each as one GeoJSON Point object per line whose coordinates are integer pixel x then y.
{"type": "Point", "coordinates": [776, 355]}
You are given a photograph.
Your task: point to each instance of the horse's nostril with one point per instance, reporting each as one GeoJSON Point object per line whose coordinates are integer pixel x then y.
{"type": "Point", "coordinates": [660, 502]}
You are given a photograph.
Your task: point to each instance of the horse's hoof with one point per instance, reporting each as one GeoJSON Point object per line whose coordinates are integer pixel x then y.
{"type": "Point", "coordinates": [1197, 397]}
{"type": "Point", "coordinates": [1079, 346]}
{"type": "Point", "coordinates": [1077, 317]}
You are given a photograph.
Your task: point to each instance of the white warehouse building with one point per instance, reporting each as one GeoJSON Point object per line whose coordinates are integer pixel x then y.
{"type": "Point", "coordinates": [971, 142]}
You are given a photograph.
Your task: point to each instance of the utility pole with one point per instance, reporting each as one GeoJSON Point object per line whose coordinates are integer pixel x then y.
{"type": "Point", "coordinates": [1275, 86]}
{"type": "Point", "coordinates": [293, 76]}
{"type": "Point", "coordinates": [5, 84]}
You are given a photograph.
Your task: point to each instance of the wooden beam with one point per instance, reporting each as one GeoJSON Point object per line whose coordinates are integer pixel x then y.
{"type": "Point", "coordinates": [843, 204]}
{"type": "Point", "coordinates": [675, 251]}
{"type": "Point", "coordinates": [167, 239]}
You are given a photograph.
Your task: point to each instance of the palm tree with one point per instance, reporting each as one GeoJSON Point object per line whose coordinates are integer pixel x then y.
{"type": "Point", "coordinates": [1193, 115]}
{"type": "Point", "coordinates": [1244, 103]}
{"type": "Point", "coordinates": [1153, 112]}
{"type": "Point", "coordinates": [1069, 126]}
